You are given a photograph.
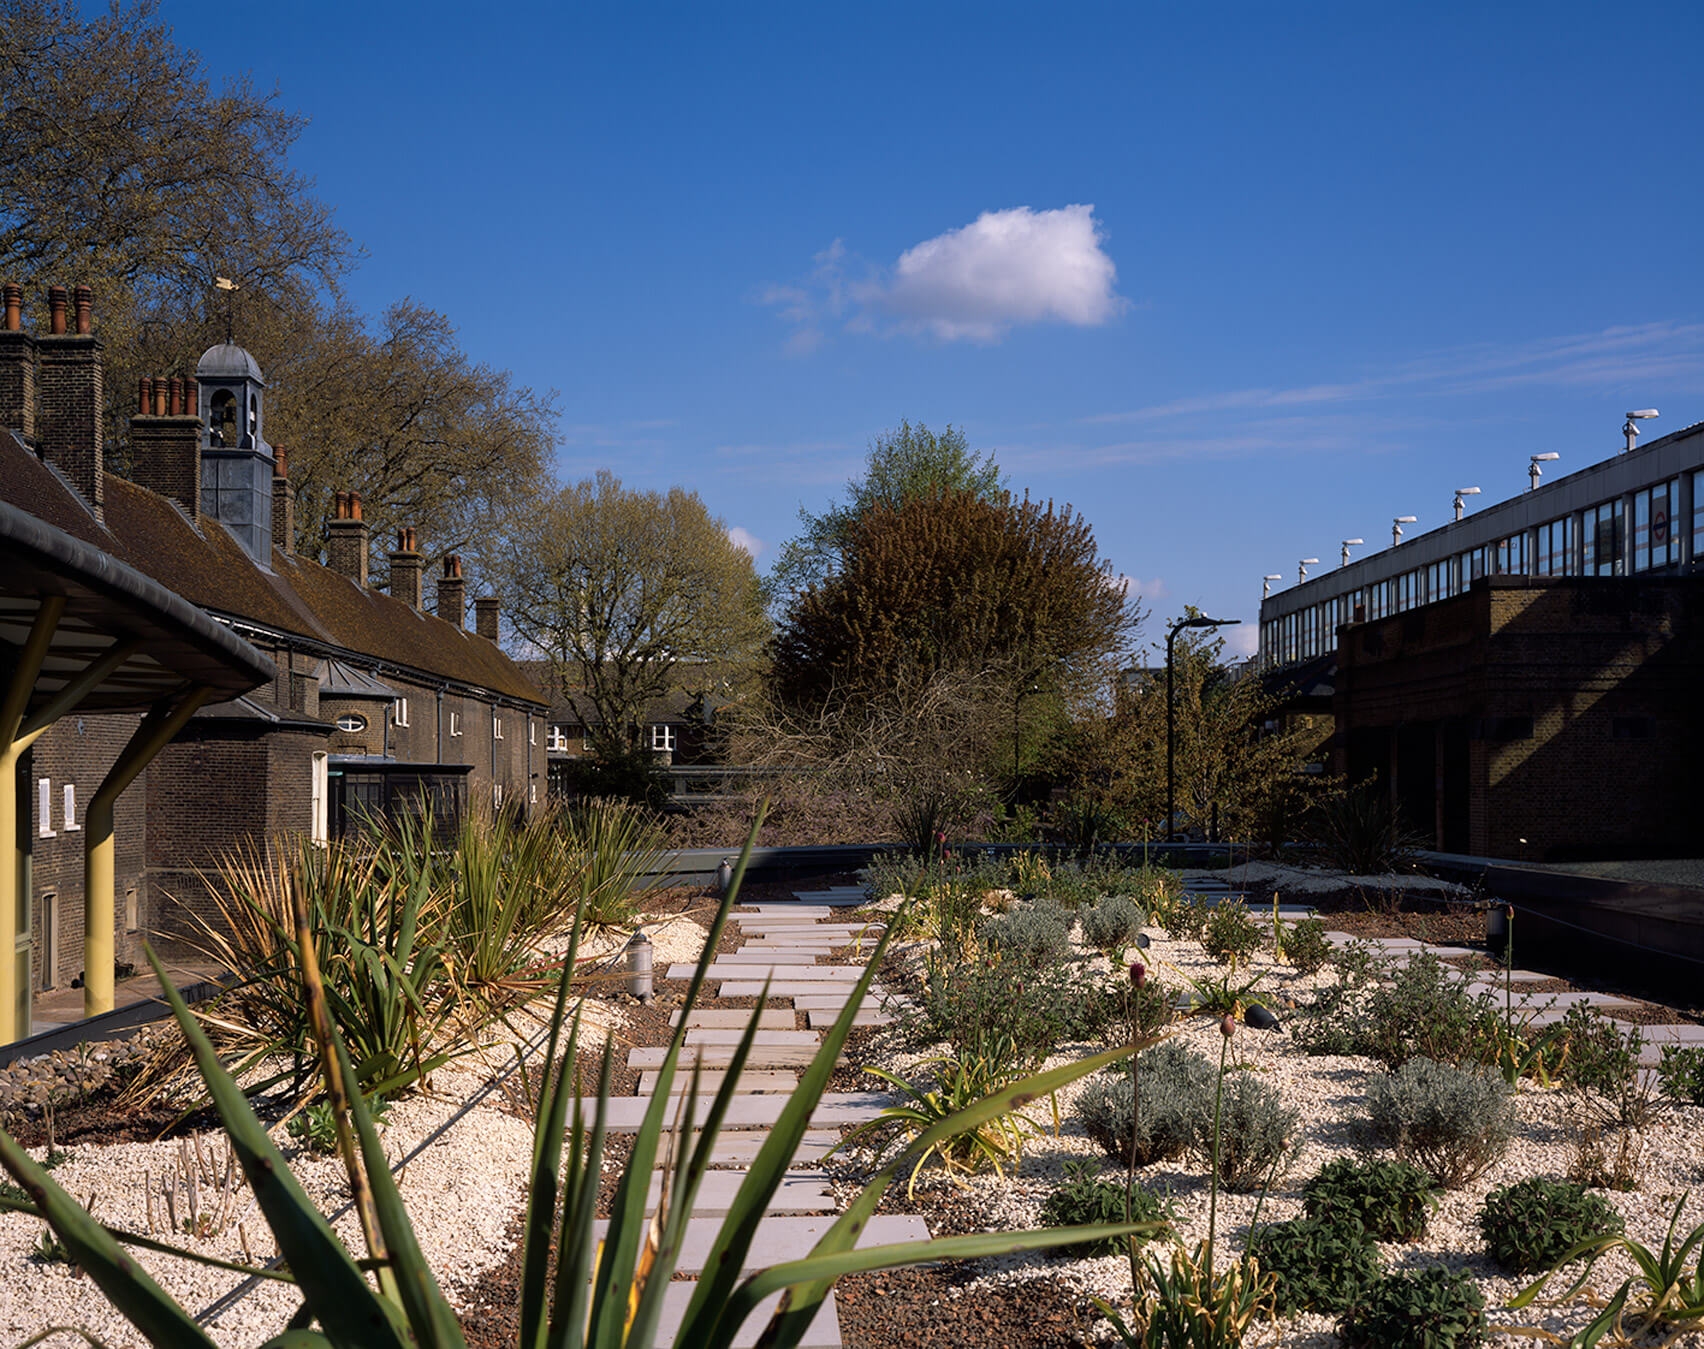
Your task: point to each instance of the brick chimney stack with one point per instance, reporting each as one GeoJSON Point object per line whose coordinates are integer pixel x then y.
{"type": "Point", "coordinates": [70, 393]}
{"type": "Point", "coordinates": [17, 369]}
{"type": "Point", "coordinates": [283, 505]}
{"type": "Point", "coordinates": [165, 441]}
{"type": "Point", "coordinates": [407, 570]}
{"type": "Point", "coordinates": [486, 612]}
{"type": "Point", "coordinates": [452, 592]}
{"type": "Point", "coordinates": [346, 546]}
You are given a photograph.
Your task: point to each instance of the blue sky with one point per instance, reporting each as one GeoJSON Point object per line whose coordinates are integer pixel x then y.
{"type": "Point", "coordinates": [1238, 281]}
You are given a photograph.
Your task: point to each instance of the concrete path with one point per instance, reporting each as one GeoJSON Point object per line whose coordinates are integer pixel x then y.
{"type": "Point", "coordinates": [784, 945]}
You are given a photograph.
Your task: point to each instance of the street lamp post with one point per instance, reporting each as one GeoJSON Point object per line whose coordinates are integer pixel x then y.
{"type": "Point", "coordinates": [1199, 621]}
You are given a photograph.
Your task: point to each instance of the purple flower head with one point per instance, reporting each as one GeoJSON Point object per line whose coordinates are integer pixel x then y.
{"type": "Point", "coordinates": [1228, 1026]}
{"type": "Point", "coordinates": [1138, 973]}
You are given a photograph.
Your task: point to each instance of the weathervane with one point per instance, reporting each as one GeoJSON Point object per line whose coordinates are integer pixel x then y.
{"type": "Point", "coordinates": [230, 288]}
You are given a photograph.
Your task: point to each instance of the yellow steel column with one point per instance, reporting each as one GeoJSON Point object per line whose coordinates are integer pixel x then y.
{"type": "Point", "coordinates": [12, 709]}
{"type": "Point", "coordinates": [155, 732]}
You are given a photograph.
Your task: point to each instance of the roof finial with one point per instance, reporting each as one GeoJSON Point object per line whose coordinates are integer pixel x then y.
{"type": "Point", "coordinates": [230, 288]}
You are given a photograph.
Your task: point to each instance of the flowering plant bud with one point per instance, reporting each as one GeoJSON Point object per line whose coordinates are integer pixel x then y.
{"type": "Point", "coordinates": [1138, 973]}
{"type": "Point", "coordinates": [1228, 1025]}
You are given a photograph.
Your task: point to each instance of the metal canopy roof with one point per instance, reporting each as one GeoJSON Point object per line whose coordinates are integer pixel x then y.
{"type": "Point", "coordinates": [170, 644]}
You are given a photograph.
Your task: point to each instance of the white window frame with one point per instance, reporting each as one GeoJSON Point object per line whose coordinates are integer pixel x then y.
{"type": "Point", "coordinates": [532, 731]}
{"type": "Point", "coordinates": [496, 727]}
{"type": "Point", "coordinates": [399, 712]}
{"type": "Point", "coordinates": [319, 799]}
{"type": "Point", "coordinates": [361, 726]}
{"type": "Point", "coordinates": [556, 738]}
{"type": "Point", "coordinates": [532, 794]}
{"type": "Point", "coordinates": [70, 799]}
{"type": "Point", "coordinates": [44, 809]}
{"type": "Point", "coordinates": [497, 793]}
{"type": "Point", "coordinates": [663, 738]}
{"type": "Point", "coordinates": [455, 723]}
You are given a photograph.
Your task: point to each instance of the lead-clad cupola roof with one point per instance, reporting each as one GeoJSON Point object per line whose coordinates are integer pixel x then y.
{"type": "Point", "coordinates": [228, 361]}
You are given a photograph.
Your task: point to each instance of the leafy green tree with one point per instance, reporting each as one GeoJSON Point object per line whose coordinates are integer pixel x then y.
{"type": "Point", "coordinates": [630, 595]}
{"type": "Point", "coordinates": [902, 465]}
{"type": "Point", "coordinates": [1237, 760]}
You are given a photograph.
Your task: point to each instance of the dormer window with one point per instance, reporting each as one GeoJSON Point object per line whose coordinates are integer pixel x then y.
{"type": "Point", "coordinates": [352, 722]}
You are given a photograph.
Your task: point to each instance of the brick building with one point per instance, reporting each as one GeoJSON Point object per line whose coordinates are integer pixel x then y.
{"type": "Point", "coordinates": [375, 703]}
{"type": "Point", "coordinates": [1524, 681]}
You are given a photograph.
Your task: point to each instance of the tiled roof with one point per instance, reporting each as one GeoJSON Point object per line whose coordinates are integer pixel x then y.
{"type": "Point", "coordinates": [210, 568]}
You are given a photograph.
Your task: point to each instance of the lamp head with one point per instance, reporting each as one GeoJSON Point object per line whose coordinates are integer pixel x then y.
{"type": "Point", "coordinates": [1350, 543]}
{"type": "Point", "coordinates": [1467, 491]}
{"type": "Point", "coordinates": [1405, 519]}
{"type": "Point", "coordinates": [1273, 576]}
{"type": "Point", "coordinates": [1642, 415]}
{"type": "Point", "coordinates": [1545, 458]}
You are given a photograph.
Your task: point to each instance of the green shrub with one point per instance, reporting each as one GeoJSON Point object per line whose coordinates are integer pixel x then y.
{"type": "Point", "coordinates": [1112, 924]}
{"type": "Point", "coordinates": [1334, 1020]}
{"type": "Point", "coordinates": [974, 1005]}
{"type": "Point", "coordinates": [1434, 1309]}
{"type": "Point", "coordinates": [1453, 1121]}
{"type": "Point", "coordinates": [1033, 935]}
{"type": "Point", "coordinates": [1255, 1131]}
{"type": "Point", "coordinates": [316, 1129]}
{"type": "Point", "coordinates": [1186, 918]}
{"type": "Point", "coordinates": [1230, 934]}
{"type": "Point", "coordinates": [1531, 1225]}
{"type": "Point", "coordinates": [1083, 1198]}
{"type": "Point", "coordinates": [1361, 833]}
{"type": "Point", "coordinates": [1391, 1200]}
{"type": "Point", "coordinates": [1424, 1011]}
{"type": "Point", "coordinates": [1682, 1074]}
{"type": "Point", "coordinates": [1306, 946]}
{"type": "Point", "coordinates": [1128, 1013]}
{"type": "Point", "coordinates": [1176, 1086]}
{"type": "Point", "coordinates": [1321, 1266]}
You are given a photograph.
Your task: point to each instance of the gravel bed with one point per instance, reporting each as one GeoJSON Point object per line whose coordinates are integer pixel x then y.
{"type": "Point", "coordinates": [1330, 1095]}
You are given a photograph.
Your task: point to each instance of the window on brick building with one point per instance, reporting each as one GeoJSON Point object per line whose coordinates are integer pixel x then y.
{"type": "Point", "coordinates": [663, 739]}
{"type": "Point", "coordinates": [49, 939]}
{"type": "Point", "coordinates": [44, 808]}
{"type": "Point", "coordinates": [532, 731]}
{"type": "Point", "coordinates": [557, 738]}
{"type": "Point", "coordinates": [319, 798]}
{"type": "Point", "coordinates": [132, 911]}
{"type": "Point", "coordinates": [351, 722]}
{"type": "Point", "coordinates": [71, 825]}
{"type": "Point", "coordinates": [496, 727]}
{"type": "Point", "coordinates": [455, 723]}
{"type": "Point", "coordinates": [496, 793]}
{"type": "Point", "coordinates": [400, 707]}
{"type": "Point", "coordinates": [532, 793]}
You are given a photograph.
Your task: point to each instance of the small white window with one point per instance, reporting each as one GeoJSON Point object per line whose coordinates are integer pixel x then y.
{"type": "Point", "coordinates": [319, 791]}
{"type": "Point", "coordinates": [532, 795]}
{"type": "Point", "coordinates": [132, 911]}
{"type": "Point", "coordinates": [496, 727]}
{"type": "Point", "coordinates": [44, 808]}
{"type": "Point", "coordinates": [557, 738]}
{"type": "Point", "coordinates": [663, 738]}
{"type": "Point", "coordinates": [455, 723]}
{"type": "Point", "coordinates": [497, 793]}
{"type": "Point", "coordinates": [351, 722]}
{"type": "Point", "coordinates": [532, 731]}
{"type": "Point", "coordinates": [401, 710]}
{"type": "Point", "coordinates": [71, 825]}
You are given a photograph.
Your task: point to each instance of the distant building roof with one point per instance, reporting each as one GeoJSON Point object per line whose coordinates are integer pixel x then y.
{"type": "Point", "coordinates": [337, 680]}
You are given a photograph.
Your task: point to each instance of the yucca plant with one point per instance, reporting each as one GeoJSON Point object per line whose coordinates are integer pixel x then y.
{"type": "Point", "coordinates": [614, 845]}
{"type": "Point", "coordinates": [606, 1294]}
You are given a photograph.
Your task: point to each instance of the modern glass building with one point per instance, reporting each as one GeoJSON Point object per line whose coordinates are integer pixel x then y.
{"type": "Point", "coordinates": [1639, 512]}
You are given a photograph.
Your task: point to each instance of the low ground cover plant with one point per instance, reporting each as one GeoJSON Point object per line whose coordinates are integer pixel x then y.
{"type": "Point", "coordinates": [1084, 1198]}
{"type": "Point", "coordinates": [1112, 925]}
{"type": "Point", "coordinates": [974, 1004]}
{"type": "Point", "coordinates": [1391, 1200]}
{"type": "Point", "coordinates": [1230, 934]}
{"type": "Point", "coordinates": [1681, 1073]}
{"type": "Point", "coordinates": [1255, 1132]}
{"type": "Point", "coordinates": [1434, 1309]}
{"type": "Point", "coordinates": [1424, 1010]}
{"type": "Point", "coordinates": [1532, 1224]}
{"type": "Point", "coordinates": [1321, 1266]}
{"type": "Point", "coordinates": [1033, 936]}
{"type": "Point", "coordinates": [1175, 1084]}
{"type": "Point", "coordinates": [1306, 947]}
{"type": "Point", "coordinates": [1611, 1102]}
{"type": "Point", "coordinates": [1452, 1121]}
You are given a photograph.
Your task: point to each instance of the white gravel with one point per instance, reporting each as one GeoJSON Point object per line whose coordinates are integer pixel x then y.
{"type": "Point", "coordinates": [1329, 1093]}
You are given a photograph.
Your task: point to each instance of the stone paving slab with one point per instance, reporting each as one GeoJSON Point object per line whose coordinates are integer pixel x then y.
{"type": "Point", "coordinates": [760, 1081]}
{"type": "Point", "coordinates": [714, 1035]}
{"type": "Point", "coordinates": [865, 1017]}
{"type": "Point", "coordinates": [740, 1146]}
{"type": "Point", "coordinates": [829, 1002]}
{"type": "Point", "coordinates": [796, 973]}
{"type": "Point", "coordinates": [823, 1333]}
{"type": "Point", "coordinates": [720, 1056]}
{"type": "Point", "coordinates": [797, 1193]}
{"type": "Point", "coordinates": [1514, 976]}
{"type": "Point", "coordinates": [627, 1113]}
{"type": "Point", "coordinates": [1567, 1000]}
{"type": "Point", "coordinates": [1680, 1033]}
{"type": "Point", "coordinates": [772, 956]}
{"type": "Point", "coordinates": [747, 987]}
{"type": "Point", "coordinates": [780, 1239]}
{"type": "Point", "coordinates": [735, 1018]}
{"type": "Point", "coordinates": [788, 910]}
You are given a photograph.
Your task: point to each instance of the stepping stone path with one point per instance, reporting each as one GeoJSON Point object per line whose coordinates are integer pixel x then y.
{"type": "Point", "coordinates": [785, 944]}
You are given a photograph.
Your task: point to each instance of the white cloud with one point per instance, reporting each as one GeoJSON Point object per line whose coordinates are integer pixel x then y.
{"type": "Point", "coordinates": [1241, 641]}
{"type": "Point", "coordinates": [1136, 587]}
{"type": "Point", "coordinates": [745, 540]}
{"type": "Point", "coordinates": [975, 283]}
{"type": "Point", "coordinates": [1006, 267]}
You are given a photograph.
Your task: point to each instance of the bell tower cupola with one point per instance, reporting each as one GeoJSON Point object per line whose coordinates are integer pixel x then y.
{"type": "Point", "coordinates": [236, 462]}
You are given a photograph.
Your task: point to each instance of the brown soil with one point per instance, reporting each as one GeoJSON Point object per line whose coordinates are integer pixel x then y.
{"type": "Point", "coordinates": [930, 1306]}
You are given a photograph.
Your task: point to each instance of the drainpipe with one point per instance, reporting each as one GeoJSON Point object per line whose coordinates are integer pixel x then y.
{"type": "Point", "coordinates": [13, 994]}
{"type": "Point", "coordinates": [438, 752]}
{"type": "Point", "coordinates": [155, 732]}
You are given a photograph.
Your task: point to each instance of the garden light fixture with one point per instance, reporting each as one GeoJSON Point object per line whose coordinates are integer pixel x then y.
{"type": "Point", "coordinates": [639, 965]}
{"type": "Point", "coordinates": [1534, 472]}
{"type": "Point", "coordinates": [1198, 621]}
{"type": "Point", "coordinates": [1460, 504]}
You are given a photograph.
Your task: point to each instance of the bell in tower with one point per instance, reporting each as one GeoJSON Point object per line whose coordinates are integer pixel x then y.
{"type": "Point", "coordinates": [236, 462]}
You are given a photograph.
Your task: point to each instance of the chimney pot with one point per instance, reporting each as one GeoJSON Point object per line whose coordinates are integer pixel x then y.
{"type": "Point", "coordinates": [176, 400]}
{"type": "Point", "coordinates": [162, 403]}
{"type": "Point", "coordinates": [85, 311]}
{"type": "Point", "coordinates": [72, 402]}
{"type": "Point", "coordinates": [407, 570]}
{"type": "Point", "coordinates": [340, 506]}
{"type": "Point", "coordinates": [144, 395]}
{"type": "Point", "coordinates": [354, 505]}
{"type": "Point", "coordinates": [56, 310]}
{"type": "Point", "coordinates": [346, 545]}
{"type": "Point", "coordinates": [191, 397]}
{"type": "Point", "coordinates": [14, 308]}
{"type": "Point", "coordinates": [283, 505]}
{"type": "Point", "coordinates": [452, 592]}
